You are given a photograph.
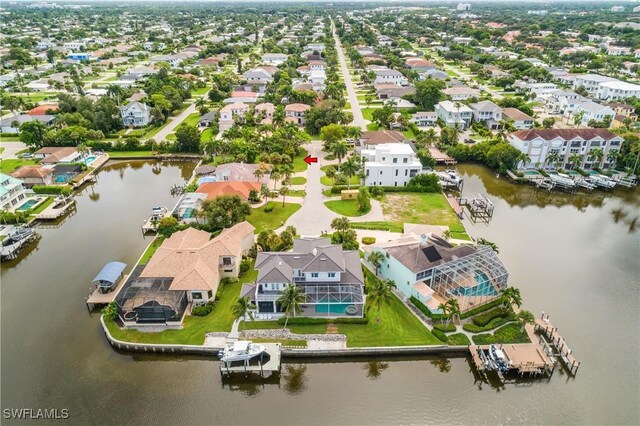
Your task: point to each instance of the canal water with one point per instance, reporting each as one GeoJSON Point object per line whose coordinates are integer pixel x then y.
{"type": "Point", "coordinates": [575, 257]}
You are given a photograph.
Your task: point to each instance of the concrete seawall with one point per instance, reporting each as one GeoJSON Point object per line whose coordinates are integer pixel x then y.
{"type": "Point", "coordinates": [387, 351]}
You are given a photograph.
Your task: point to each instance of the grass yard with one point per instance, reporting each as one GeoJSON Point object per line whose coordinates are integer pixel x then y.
{"type": "Point", "coordinates": [116, 154]}
{"type": "Point", "coordinates": [367, 113]}
{"type": "Point", "coordinates": [378, 226]}
{"type": "Point", "coordinates": [200, 92]}
{"type": "Point", "coordinates": [194, 328]}
{"type": "Point", "coordinates": [373, 126]}
{"type": "Point", "coordinates": [206, 134]}
{"type": "Point", "coordinates": [344, 207]}
{"type": "Point", "coordinates": [509, 333]}
{"type": "Point", "coordinates": [192, 119]}
{"type": "Point", "coordinates": [153, 130]}
{"type": "Point", "coordinates": [298, 180]}
{"type": "Point", "coordinates": [299, 165]}
{"type": "Point", "coordinates": [9, 138]}
{"type": "Point", "coordinates": [273, 219]}
{"type": "Point", "coordinates": [35, 96]}
{"type": "Point", "coordinates": [9, 165]}
{"type": "Point", "coordinates": [157, 242]}
{"type": "Point", "coordinates": [42, 206]}
{"type": "Point", "coordinates": [325, 180]}
{"type": "Point", "coordinates": [409, 134]}
{"type": "Point", "coordinates": [432, 209]}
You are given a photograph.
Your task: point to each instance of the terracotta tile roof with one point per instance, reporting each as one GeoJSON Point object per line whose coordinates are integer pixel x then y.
{"type": "Point", "coordinates": [218, 189]}
{"type": "Point", "coordinates": [42, 109]}
{"type": "Point", "coordinates": [297, 107]}
{"type": "Point", "coordinates": [58, 155]}
{"type": "Point", "coordinates": [32, 172]}
{"type": "Point", "coordinates": [375, 137]}
{"type": "Point", "coordinates": [516, 114]}
{"type": "Point", "coordinates": [566, 134]}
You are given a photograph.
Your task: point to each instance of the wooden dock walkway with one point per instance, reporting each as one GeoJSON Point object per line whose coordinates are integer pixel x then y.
{"type": "Point", "coordinates": [441, 157]}
{"type": "Point", "coordinates": [556, 342]}
{"type": "Point", "coordinates": [453, 202]}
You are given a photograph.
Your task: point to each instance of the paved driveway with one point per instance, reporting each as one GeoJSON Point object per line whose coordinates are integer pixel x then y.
{"type": "Point", "coordinates": [11, 149]}
{"type": "Point", "coordinates": [358, 119]}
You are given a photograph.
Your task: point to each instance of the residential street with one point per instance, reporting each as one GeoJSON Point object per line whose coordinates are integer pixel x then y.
{"type": "Point", "coordinates": [358, 119]}
{"type": "Point", "coordinates": [11, 149]}
{"type": "Point", "coordinates": [175, 121]}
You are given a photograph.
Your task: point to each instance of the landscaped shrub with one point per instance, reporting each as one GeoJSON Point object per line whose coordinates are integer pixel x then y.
{"type": "Point", "coordinates": [445, 327]}
{"type": "Point", "coordinates": [329, 157]}
{"type": "Point", "coordinates": [482, 308]}
{"type": "Point", "coordinates": [268, 208]}
{"type": "Point", "coordinates": [308, 321]}
{"type": "Point", "coordinates": [368, 240]}
{"type": "Point", "coordinates": [110, 311]}
{"type": "Point", "coordinates": [458, 339]}
{"type": "Point", "coordinates": [494, 323]}
{"type": "Point", "coordinates": [201, 311]}
{"type": "Point", "coordinates": [509, 333]}
{"type": "Point", "coordinates": [421, 306]}
{"type": "Point", "coordinates": [335, 190]}
{"type": "Point", "coordinates": [439, 335]}
{"type": "Point", "coordinates": [59, 190]}
{"type": "Point", "coordinates": [485, 318]}
{"type": "Point", "coordinates": [245, 265]}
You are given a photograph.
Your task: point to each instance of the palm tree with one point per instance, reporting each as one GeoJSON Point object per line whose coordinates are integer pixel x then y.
{"type": "Point", "coordinates": [350, 168]}
{"type": "Point", "coordinates": [577, 118]}
{"type": "Point", "coordinates": [454, 308]}
{"type": "Point", "coordinates": [243, 308]}
{"type": "Point", "coordinates": [575, 160]}
{"type": "Point", "coordinates": [445, 312]}
{"type": "Point", "coordinates": [380, 293]}
{"type": "Point", "coordinates": [524, 318]}
{"type": "Point", "coordinates": [484, 242]}
{"type": "Point", "coordinates": [275, 175]}
{"type": "Point", "coordinates": [286, 170]}
{"type": "Point", "coordinates": [511, 296]}
{"type": "Point", "coordinates": [265, 191]}
{"type": "Point", "coordinates": [279, 116]}
{"type": "Point", "coordinates": [353, 132]}
{"type": "Point", "coordinates": [291, 301]}
{"type": "Point", "coordinates": [339, 149]}
{"type": "Point", "coordinates": [553, 158]}
{"type": "Point", "coordinates": [284, 189]}
{"type": "Point", "coordinates": [598, 155]}
{"type": "Point", "coordinates": [429, 137]}
{"type": "Point", "coordinates": [341, 224]}
{"type": "Point", "coordinates": [376, 258]}
{"type": "Point", "coordinates": [523, 159]}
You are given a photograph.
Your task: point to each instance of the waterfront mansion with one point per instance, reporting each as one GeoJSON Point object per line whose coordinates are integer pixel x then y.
{"type": "Point", "coordinates": [330, 277]}
{"type": "Point", "coordinates": [540, 144]}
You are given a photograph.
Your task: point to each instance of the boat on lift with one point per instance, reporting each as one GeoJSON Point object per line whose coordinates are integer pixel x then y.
{"type": "Point", "coordinates": [499, 360]}
{"type": "Point", "coordinates": [242, 350]}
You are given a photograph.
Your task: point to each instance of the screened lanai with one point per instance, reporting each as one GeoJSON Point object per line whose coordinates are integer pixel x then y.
{"type": "Point", "coordinates": [473, 280]}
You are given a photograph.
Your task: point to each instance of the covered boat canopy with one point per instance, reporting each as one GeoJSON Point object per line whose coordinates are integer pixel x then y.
{"type": "Point", "coordinates": [109, 273]}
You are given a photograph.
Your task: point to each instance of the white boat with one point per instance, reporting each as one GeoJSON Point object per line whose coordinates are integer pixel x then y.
{"type": "Point", "coordinates": [498, 358]}
{"type": "Point", "coordinates": [242, 350]}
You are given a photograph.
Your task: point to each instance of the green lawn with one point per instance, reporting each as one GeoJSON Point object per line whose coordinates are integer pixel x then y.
{"type": "Point", "coordinates": [325, 180]}
{"type": "Point", "coordinates": [9, 138]}
{"type": "Point", "coordinates": [298, 180]}
{"type": "Point", "coordinates": [192, 119]}
{"type": "Point", "coordinates": [116, 154]}
{"type": "Point", "coordinates": [206, 134]}
{"type": "Point", "coordinates": [194, 328]}
{"type": "Point", "coordinates": [299, 165]}
{"type": "Point", "coordinates": [35, 96]}
{"type": "Point", "coordinates": [153, 130]}
{"type": "Point", "coordinates": [432, 209]}
{"type": "Point", "coordinates": [409, 134]}
{"type": "Point", "coordinates": [367, 113]}
{"type": "Point", "coordinates": [344, 207]}
{"type": "Point", "coordinates": [171, 137]}
{"type": "Point", "coordinates": [378, 226]}
{"type": "Point", "coordinates": [200, 91]}
{"type": "Point", "coordinates": [373, 126]}
{"type": "Point", "coordinates": [42, 206]}
{"type": "Point", "coordinates": [275, 218]}
{"type": "Point", "coordinates": [151, 250]}
{"type": "Point", "coordinates": [9, 165]}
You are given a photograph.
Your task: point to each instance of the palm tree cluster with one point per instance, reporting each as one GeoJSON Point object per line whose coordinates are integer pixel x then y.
{"type": "Point", "coordinates": [450, 309]}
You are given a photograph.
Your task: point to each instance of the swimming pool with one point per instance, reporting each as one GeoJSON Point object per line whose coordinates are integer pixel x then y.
{"type": "Point", "coordinates": [90, 159]}
{"type": "Point", "coordinates": [188, 213]}
{"type": "Point", "coordinates": [483, 287]}
{"type": "Point", "coordinates": [326, 308]}
{"type": "Point", "coordinates": [28, 205]}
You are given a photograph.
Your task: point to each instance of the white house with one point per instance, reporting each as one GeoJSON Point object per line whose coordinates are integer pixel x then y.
{"type": "Point", "coordinates": [173, 60]}
{"type": "Point", "coordinates": [538, 144]}
{"type": "Point", "coordinates": [315, 47]}
{"type": "Point", "coordinates": [461, 93]}
{"type": "Point", "coordinates": [520, 120]}
{"type": "Point", "coordinates": [390, 76]}
{"type": "Point", "coordinates": [594, 111]}
{"type": "Point", "coordinates": [424, 118]}
{"type": "Point", "coordinates": [487, 112]}
{"type": "Point", "coordinates": [591, 82]}
{"type": "Point", "coordinates": [274, 58]}
{"type": "Point", "coordinates": [136, 114]}
{"type": "Point", "coordinates": [618, 50]}
{"type": "Point", "coordinates": [563, 102]}
{"type": "Point", "coordinates": [390, 164]}
{"type": "Point", "coordinates": [45, 44]}
{"type": "Point", "coordinates": [617, 90]}
{"type": "Point", "coordinates": [12, 192]}
{"type": "Point", "coordinates": [258, 76]}
{"type": "Point", "coordinates": [74, 46]}
{"type": "Point", "coordinates": [454, 115]}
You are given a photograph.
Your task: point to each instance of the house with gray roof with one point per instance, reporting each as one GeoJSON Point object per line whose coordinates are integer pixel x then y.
{"type": "Point", "coordinates": [330, 277]}
{"type": "Point", "coordinates": [487, 112]}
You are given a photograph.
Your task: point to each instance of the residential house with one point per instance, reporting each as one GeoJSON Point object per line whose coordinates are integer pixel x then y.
{"type": "Point", "coordinates": [259, 76]}
{"type": "Point", "coordinates": [315, 47]}
{"type": "Point", "coordinates": [424, 118]}
{"type": "Point", "coordinates": [228, 114]}
{"type": "Point", "coordinates": [12, 192]}
{"type": "Point", "coordinates": [520, 120]}
{"type": "Point", "coordinates": [207, 119]}
{"type": "Point", "coordinates": [594, 111]}
{"type": "Point", "coordinates": [393, 90]}
{"type": "Point", "coordinates": [433, 271]}
{"type": "Point", "coordinates": [274, 58]}
{"type": "Point", "coordinates": [265, 112]}
{"type": "Point", "coordinates": [371, 138]}
{"type": "Point", "coordinates": [433, 73]}
{"type": "Point", "coordinates": [453, 114]}
{"type": "Point", "coordinates": [74, 46]}
{"type": "Point", "coordinates": [173, 60]}
{"type": "Point", "coordinates": [487, 112]}
{"type": "Point", "coordinates": [34, 175]}
{"type": "Point", "coordinates": [563, 102]}
{"type": "Point", "coordinates": [625, 110]}
{"type": "Point", "coordinates": [419, 65]}
{"type": "Point", "coordinates": [234, 172]}
{"type": "Point", "coordinates": [591, 82]}
{"type": "Point", "coordinates": [390, 76]}
{"type": "Point", "coordinates": [538, 144]}
{"type": "Point", "coordinates": [12, 125]}
{"type": "Point", "coordinates": [331, 279]}
{"type": "Point", "coordinates": [240, 188]}
{"type": "Point", "coordinates": [618, 50]}
{"type": "Point", "coordinates": [295, 113]}
{"type": "Point", "coordinates": [242, 96]}
{"type": "Point", "coordinates": [136, 114]}
{"type": "Point", "coordinates": [617, 90]}
{"type": "Point", "coordinates": [461, 93]}
{"type": "Point", "coordinates": [185, 269]}
{"type": "Point", "coordinates": [390, 164]}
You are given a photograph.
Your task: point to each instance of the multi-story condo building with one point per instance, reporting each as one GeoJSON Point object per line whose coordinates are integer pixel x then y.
{"type": "Point", "coordinates": [552, 148]}
{"type": "Point", "coordinates": [617, 90]}
{"type": "Point", "coordinates": [12, 192]}
{"type": "Point", "coordinates": [390, 164]}
{"type": "Point", "coordinates": [331, 279]}
{"type": "Point", "coordinates": [594, 111]}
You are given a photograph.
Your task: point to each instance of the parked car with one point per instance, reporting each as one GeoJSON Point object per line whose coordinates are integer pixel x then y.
{"type": "Point", "coordinates": [26, 155]}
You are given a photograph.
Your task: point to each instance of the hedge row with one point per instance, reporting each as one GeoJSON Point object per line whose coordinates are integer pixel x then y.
{"type": "Point", "coordinates": [445, 327]}
{"type": "Point", "coordinates": [485, 318]}
{"type": "Point", "coordinates": [482, 308]}
{"type": "Point", "coordinates": [58, 190]}
{"type": "Point", "coordinates": [494, 323]}
{"type": "Point", "coordinates": [434, 317]}
{"type": "Point", "coordinates": [368, 240]}
{"type": "Point", "coordinates": [308, 321]}
{"type": "Point", "coordinates": [439, 335]}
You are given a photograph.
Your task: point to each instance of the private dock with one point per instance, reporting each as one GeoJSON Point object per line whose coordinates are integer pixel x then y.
{"type": "Point", "coordinates": [106, 285]}
{"type": "Point", "coordinates": [479, 206]}
{"type": "Point", "coordinates": [151, 224]}
{"type": "Point", "coordinates": [267, 362]}
{"type": "Point", "coordinates": [441, 157]}
{"type": "Point", "coordinates": [16, 238]}
{"type": "Point", "coordinates": [59, 208]}
{"type": "Point", "coordinates": [523, 359]}
{"type": "Point", "coordinates": [453, 202]}
{"type": "Point", "coordinates": [555, 343]}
